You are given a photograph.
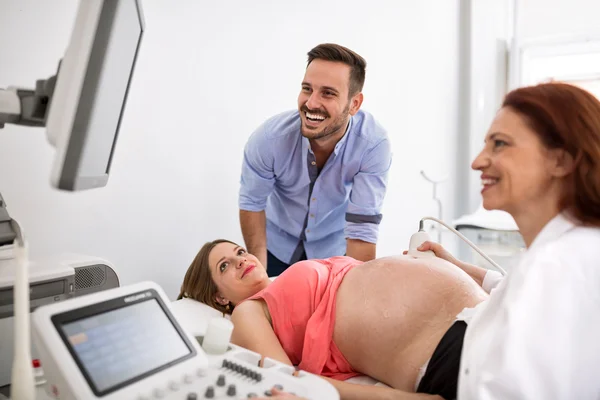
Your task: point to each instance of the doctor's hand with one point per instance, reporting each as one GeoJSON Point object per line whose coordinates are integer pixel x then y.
{"type": "Point", "coordinates": [440, 252]}
{"type": "Point", "coordinates": [475, 272]}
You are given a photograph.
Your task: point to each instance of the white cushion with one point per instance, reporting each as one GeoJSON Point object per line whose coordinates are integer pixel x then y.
{"type": "Point", "coordinates": [193, 315]}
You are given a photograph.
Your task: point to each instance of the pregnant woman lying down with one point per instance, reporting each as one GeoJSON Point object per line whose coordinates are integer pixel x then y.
{"type": "Point", "coordinates": [393, 318]}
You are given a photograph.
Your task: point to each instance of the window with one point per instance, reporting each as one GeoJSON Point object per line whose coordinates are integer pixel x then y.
{"type": "Point", "coordinates": [575, 61]}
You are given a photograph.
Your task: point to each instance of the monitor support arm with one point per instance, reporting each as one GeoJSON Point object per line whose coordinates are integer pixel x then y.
{"type": "Point", "coordinates": [25, 106]}
{"type": "Point", "coordinates": [22, 107]}
{"type": "Point", "coordinates": [29, 108]}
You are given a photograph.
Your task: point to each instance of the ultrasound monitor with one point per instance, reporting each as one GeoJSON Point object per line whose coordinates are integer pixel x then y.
{"type": "Point", "coordinates": [120, 342]}
{"type": "Point", "coordinates": [82, 106]}
{"type": "Point", "coordinates": [117, 341]}
{"type": "Point", "coordinates": [89, 97]}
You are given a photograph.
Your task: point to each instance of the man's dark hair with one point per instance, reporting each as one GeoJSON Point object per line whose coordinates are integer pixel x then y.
{"type": "Point", "coordinates": [335, 52]}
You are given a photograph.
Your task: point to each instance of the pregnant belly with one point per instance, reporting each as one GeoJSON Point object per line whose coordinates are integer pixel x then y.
{"type": "Point", "coordinates": [392, 312]}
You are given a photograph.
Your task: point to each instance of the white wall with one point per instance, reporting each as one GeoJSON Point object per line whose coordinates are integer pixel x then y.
{"type": "Point", "coordinates": [207, 75]}
{"type": "Point", "coordinates": [484, 83]}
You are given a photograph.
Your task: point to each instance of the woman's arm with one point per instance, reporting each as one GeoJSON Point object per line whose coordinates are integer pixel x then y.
{"type": "Point", "coordinates": [485, 278]}
{"type": "Point", "coordinates": [354, 391]}
{"type": "Point", "coordinates": [252, 331]}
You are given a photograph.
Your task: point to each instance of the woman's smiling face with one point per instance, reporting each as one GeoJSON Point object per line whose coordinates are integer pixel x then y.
{"type": "Point", "coordinates": [237, 273]}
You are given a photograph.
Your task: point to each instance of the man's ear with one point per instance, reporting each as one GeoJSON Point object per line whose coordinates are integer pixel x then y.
{"type": "Point", "coordinates": [563, 163]}
{"type": "Point", "coordinates": [355, 103]}
{"type": "Point", "coordinates": [221, 300]}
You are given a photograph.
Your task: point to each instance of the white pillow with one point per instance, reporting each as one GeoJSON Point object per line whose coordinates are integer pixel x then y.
{"type": "Point", "coordinates": [193, 315]}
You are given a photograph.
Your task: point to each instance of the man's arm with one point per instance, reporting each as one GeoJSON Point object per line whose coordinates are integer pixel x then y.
{"type": "Point", "coordinates": [256, 184]}
{"type": "Point", "coordinates": [360, 250]}
{"type": "Point", "coordinates": [254, 231]}
{"type": "Point", "coordinates": [366, 199]}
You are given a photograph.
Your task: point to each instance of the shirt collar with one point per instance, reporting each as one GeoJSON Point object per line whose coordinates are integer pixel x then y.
{"type": "Point", "coordinates": [338, 145]}
{"type": "Point", "coordinates": [555, 228]}
{"type": "Point", "coordinates": [344, 138]}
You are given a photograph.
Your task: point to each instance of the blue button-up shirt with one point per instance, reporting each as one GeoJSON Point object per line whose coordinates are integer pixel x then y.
{"type": "Point", "coordinates": [305, 208]}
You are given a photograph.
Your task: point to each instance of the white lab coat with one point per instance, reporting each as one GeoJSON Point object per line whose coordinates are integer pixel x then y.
{"type": "Point", "coordinates": [538, 335]}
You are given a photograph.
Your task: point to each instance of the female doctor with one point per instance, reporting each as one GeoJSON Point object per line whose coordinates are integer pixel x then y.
{"type": "Point", "coordinates": [538, 335]}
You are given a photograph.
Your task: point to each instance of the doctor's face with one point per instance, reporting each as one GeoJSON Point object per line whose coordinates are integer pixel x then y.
{"type": "Point", "coordinates": [236, 273]}
{"type": "Point", "coordinates": [515, 166]}
{"type": "Point", "coordinates": [323, 101]}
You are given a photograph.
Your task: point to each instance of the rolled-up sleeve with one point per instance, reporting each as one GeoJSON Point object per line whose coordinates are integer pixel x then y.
{"type": "Point", "coordinates": [257, 178]}
{"type": "Point", "coordinates": [363, 214]}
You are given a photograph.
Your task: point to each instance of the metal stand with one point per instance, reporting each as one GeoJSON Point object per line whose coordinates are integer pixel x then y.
{"type": "Point", "coordinates": [437, 200]}
{"type": "Point", "coordinates": [29, 108]}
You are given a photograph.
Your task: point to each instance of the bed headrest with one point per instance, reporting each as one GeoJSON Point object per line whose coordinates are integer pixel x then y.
{"type": "Point", "coordinates": [193, 315]}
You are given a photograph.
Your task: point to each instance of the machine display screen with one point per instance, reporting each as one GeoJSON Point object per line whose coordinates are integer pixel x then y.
{"type": "Point", "coordinates": [122, 345]}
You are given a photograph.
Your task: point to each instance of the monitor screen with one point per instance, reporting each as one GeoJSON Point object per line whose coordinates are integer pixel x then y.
{"type": "Point", "coordinates": [118, 347]}
{"type": "Point", "coordinates": [91, 91]}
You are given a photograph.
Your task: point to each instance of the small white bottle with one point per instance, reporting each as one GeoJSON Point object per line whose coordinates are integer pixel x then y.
{"type": "Point", "coordinates": [218, 334]}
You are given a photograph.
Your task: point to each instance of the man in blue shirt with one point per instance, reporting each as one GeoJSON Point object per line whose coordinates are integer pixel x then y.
{"type": "Point", "coordinates": [314, 179]}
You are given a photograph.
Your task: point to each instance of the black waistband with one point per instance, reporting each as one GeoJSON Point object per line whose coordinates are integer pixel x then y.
{"type": "Point", "coordinates": [441, 375]}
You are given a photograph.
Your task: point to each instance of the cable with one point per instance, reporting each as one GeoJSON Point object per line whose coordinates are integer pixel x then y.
{"type": "Point", "coordinates": [467, 241]}
{"type": "Point", "coordinates": [22, 382]}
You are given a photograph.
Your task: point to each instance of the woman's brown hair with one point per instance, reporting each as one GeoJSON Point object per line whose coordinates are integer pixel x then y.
{"type": "Point", "coordinates": [198, 283]}
{"type": "Point", "coordinates": [567, 117]}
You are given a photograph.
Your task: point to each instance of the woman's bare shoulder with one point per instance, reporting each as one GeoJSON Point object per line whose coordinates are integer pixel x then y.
{"type": "Point", "coordinates": [249, 309]}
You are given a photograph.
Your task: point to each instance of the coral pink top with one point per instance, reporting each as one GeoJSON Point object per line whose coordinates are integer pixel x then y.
{"type": "Point", "coordinates": [301, 302]}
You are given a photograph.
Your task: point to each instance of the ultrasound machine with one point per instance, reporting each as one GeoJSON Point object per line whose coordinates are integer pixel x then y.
{"type": "Point", "coordinates": [114, 342]}
{"type": "Point", "coordinates": [125, 343]}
